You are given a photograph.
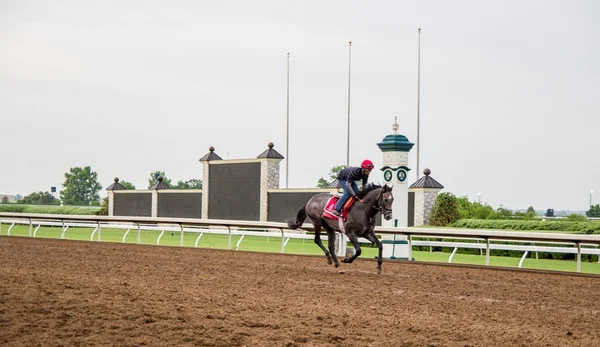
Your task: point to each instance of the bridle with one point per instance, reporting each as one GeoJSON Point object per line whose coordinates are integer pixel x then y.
{"type": "Point", "coordinates": [379, 207]}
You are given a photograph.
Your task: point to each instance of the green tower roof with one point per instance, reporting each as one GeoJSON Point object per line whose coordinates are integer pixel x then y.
{"type": "Point", "coordinates": [395, 142]}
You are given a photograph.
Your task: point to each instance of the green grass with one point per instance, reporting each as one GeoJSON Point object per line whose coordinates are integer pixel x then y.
{"type": "Point", "coordinates": [293, 246]}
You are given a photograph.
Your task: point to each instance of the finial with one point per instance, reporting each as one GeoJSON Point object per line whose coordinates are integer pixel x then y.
{"type": "Point", "coordinates": [116, 179]}
{"type": "Point", "coordinates": [395, 126]}
{"type": "Point", "coordinates": [211, 149]}
{"type": "Point", "coordinates": [271, 145]}
{"type": "Point", "coordinates": [160, 178]}
{"type": "Point", "coordinates": [427, 172]}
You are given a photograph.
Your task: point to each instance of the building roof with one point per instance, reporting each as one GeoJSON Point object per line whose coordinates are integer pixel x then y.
{"type": "Point", "coordinates": [160, 184]}
{"type": "Point", "coordinates": [116, 185]}
{"type": "Point", "coordinates": [270, 153]}
{"type": "Point", "coordinates": [395, 142]}
{"type": "Point", "coordinates": [426, 181]}
{"type": "Point", "coordinates": [211, 155]}
{"type": "Point", "coordinates": [334, 184]}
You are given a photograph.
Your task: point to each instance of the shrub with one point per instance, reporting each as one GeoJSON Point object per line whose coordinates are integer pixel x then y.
{"type": "Point", "coordinates": [49, 209]}
{"type": "Point", "coordinates": [585, 227]}
{"type": "Point", "coordinates": [445, 210]}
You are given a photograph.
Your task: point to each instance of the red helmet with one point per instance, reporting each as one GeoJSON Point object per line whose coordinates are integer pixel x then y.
{"type": "Point", "coordinates": [367, 164]}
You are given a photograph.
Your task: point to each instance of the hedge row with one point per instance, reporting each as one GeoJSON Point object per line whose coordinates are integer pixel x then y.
{"type": "Point", "coordinates": [49, 209]}
{"type": "Point", "coordinates": [503, 252]}
{"type": "Point", "coordinates": [529, 225]}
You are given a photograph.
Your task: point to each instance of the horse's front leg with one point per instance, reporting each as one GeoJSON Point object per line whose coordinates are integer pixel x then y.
{"type": "Point", "coordinates": [373, 238]}
{"type": "Point", "coordinates": [357, 250]}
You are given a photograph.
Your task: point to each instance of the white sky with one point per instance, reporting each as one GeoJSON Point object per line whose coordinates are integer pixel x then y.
{"type": "Point", "coordinates": [510, 97]}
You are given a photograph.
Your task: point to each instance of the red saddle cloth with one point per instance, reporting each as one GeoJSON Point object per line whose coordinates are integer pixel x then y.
{"type": "Point", "coordinates": [331, 206]}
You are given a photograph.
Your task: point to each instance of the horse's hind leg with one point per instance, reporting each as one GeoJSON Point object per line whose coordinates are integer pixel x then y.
{"type": "Point", "coordinates": [319, 243]}
{"type": "Point", "coordinates": [331, 242]}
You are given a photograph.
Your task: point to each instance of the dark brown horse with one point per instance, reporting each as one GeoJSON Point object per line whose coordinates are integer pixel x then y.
{"type": "Point", "coordinates": [360, 221]}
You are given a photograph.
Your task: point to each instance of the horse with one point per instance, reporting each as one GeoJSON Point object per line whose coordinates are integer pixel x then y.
{"type": "Point", "coordinates": [360, 221]}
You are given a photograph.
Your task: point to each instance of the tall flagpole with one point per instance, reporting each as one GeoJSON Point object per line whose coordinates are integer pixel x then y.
{"type": "Point", "coordinates": [418, 104]}
{"type": "Point", "coordinates": [349, 71]}
{"type": "Point", "coordinates": [287, 136]}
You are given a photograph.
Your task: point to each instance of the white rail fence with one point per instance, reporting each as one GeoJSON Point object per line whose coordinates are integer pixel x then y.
{"type": "Point", "coordinates": [571, 243]}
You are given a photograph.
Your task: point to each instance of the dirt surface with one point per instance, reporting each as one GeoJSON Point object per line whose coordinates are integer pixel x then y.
{"type": "Point", "coordinates": [75, 293]}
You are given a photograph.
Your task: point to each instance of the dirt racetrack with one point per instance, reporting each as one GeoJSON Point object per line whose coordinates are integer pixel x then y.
{"type": "Point", "coordinates": [74, 293]}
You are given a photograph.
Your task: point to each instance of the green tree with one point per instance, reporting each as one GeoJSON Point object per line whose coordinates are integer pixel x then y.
{"type": "Point", "coordinates": [154, 178]}
{"type": "Point", "coordinates": [103, 211]}
{"type": "Point", "coordinates": [39, 198]}
{"type": "Point", "coordinates": [127, 185]}
{"type": "Point", "coordinates": [323, 183]}
{"type": "Point", "coordinates": [81, 186]}
{"type": "Point", "coordinates": [445, 210]}
{"type": "Point", "coordinates": [530, 209]}
{"type": "Point", "coordinates": [594, 211]}
{"type": "Point", "coordinates": [5, 199]}
{"type": "Point", "coordinates": [189, 184]}
{"type": "Point", "coordinates": [504, 213]}
{"type": "Point", "coordinates": [472, 210]}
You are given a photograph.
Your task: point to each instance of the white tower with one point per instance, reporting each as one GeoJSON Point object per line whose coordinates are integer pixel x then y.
{"type": "Point", "coordinates": [395, 169]}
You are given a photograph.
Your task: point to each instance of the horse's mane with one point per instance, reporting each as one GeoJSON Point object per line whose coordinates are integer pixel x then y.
{"type": "Point", "coordinates": [367, 188]}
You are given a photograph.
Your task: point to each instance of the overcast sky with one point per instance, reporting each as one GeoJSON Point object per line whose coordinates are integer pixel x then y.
{"type": "Point", "coordinates": [510, 94]}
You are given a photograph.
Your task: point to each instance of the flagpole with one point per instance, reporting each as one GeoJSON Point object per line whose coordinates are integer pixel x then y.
{"type": "Point", "coordinates": [287, 137]}
{"type": "Point", "coordinates": [418, 104]}
{"type": "Point", "coordinates": [349, 72]}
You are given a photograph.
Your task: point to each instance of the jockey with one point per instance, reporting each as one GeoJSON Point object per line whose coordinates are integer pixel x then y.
{"type": "Point", "coordinates": [347, 178]}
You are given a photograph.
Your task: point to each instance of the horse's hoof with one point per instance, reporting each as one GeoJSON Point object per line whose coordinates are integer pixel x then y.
{"type": "Point", "coordinates": [379, 271]}
{"type": "Point", "coordinates": [329, 261]}
{"type": "Point", "coordinates": [341, 271]}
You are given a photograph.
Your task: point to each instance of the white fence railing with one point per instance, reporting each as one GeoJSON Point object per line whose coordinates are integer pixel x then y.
{"type": "Point", "coordinates": [231, 227]}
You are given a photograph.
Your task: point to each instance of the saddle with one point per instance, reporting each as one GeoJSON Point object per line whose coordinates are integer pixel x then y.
{"type": "Point", "coordinates": [330, 206]}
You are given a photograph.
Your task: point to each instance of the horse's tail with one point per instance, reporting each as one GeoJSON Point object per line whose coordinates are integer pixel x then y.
{"type": "Point", "coordinates": [299, 219]}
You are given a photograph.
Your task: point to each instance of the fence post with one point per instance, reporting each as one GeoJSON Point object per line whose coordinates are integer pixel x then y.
{"type": "Point", "coordinates": [181, 240]}
{"type": "Point", "coordinates": [487, 251]}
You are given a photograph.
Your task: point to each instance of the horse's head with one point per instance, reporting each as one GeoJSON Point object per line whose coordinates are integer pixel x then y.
{"type": "Point", "coordinates": [386, 198]}
{"type": "Point", "coordinates": [380, 198]}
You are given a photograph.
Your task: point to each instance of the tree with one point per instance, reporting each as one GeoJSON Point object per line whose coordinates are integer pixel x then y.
{"type": "Point", "coordinates": [103, 211]}
{"type": "Point", "coordinates": [154, 178]}
{"type": "Point", "coordinates": [473, 210]}
{"type": "Point", "coordinates": [323, 183]}
{"type": "Point", "coordinates": [127, 185]}
{"type": "Point", "coordinates": [39, 198]}
{"type": "Point", "coordinates": [594, 211]}
{"type": "Point", "coordinates": [81, 186]}
{"type": "Point", "coordinates": [445, 210]}
{"type": "Point", "coordinates": [189, 184]}
{"type": "Point", "coordinates": [5, 199]}
{"type": "Point", "coordinates": [530, 209]}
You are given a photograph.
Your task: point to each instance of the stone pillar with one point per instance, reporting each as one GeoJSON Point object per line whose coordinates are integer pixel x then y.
{"type": "Point", "coordinates": [395, 169]}
{"type": "Point", "coordinates": [154, 212]}
{"type": "Point", "coordinates": [111, 203]}
{"type": "Point", "coordinates": [205, 190]}
{"type": "Point", "coordinates": [155, 188]}
{"type": "Point", "coordinates": [269, 177]}
{"type": "Point", "coordinates": [111, 195]}
{"type": "Point", "coordinates": [205, 160]}
{"type": "Point", "coordinates": [426, 190]}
